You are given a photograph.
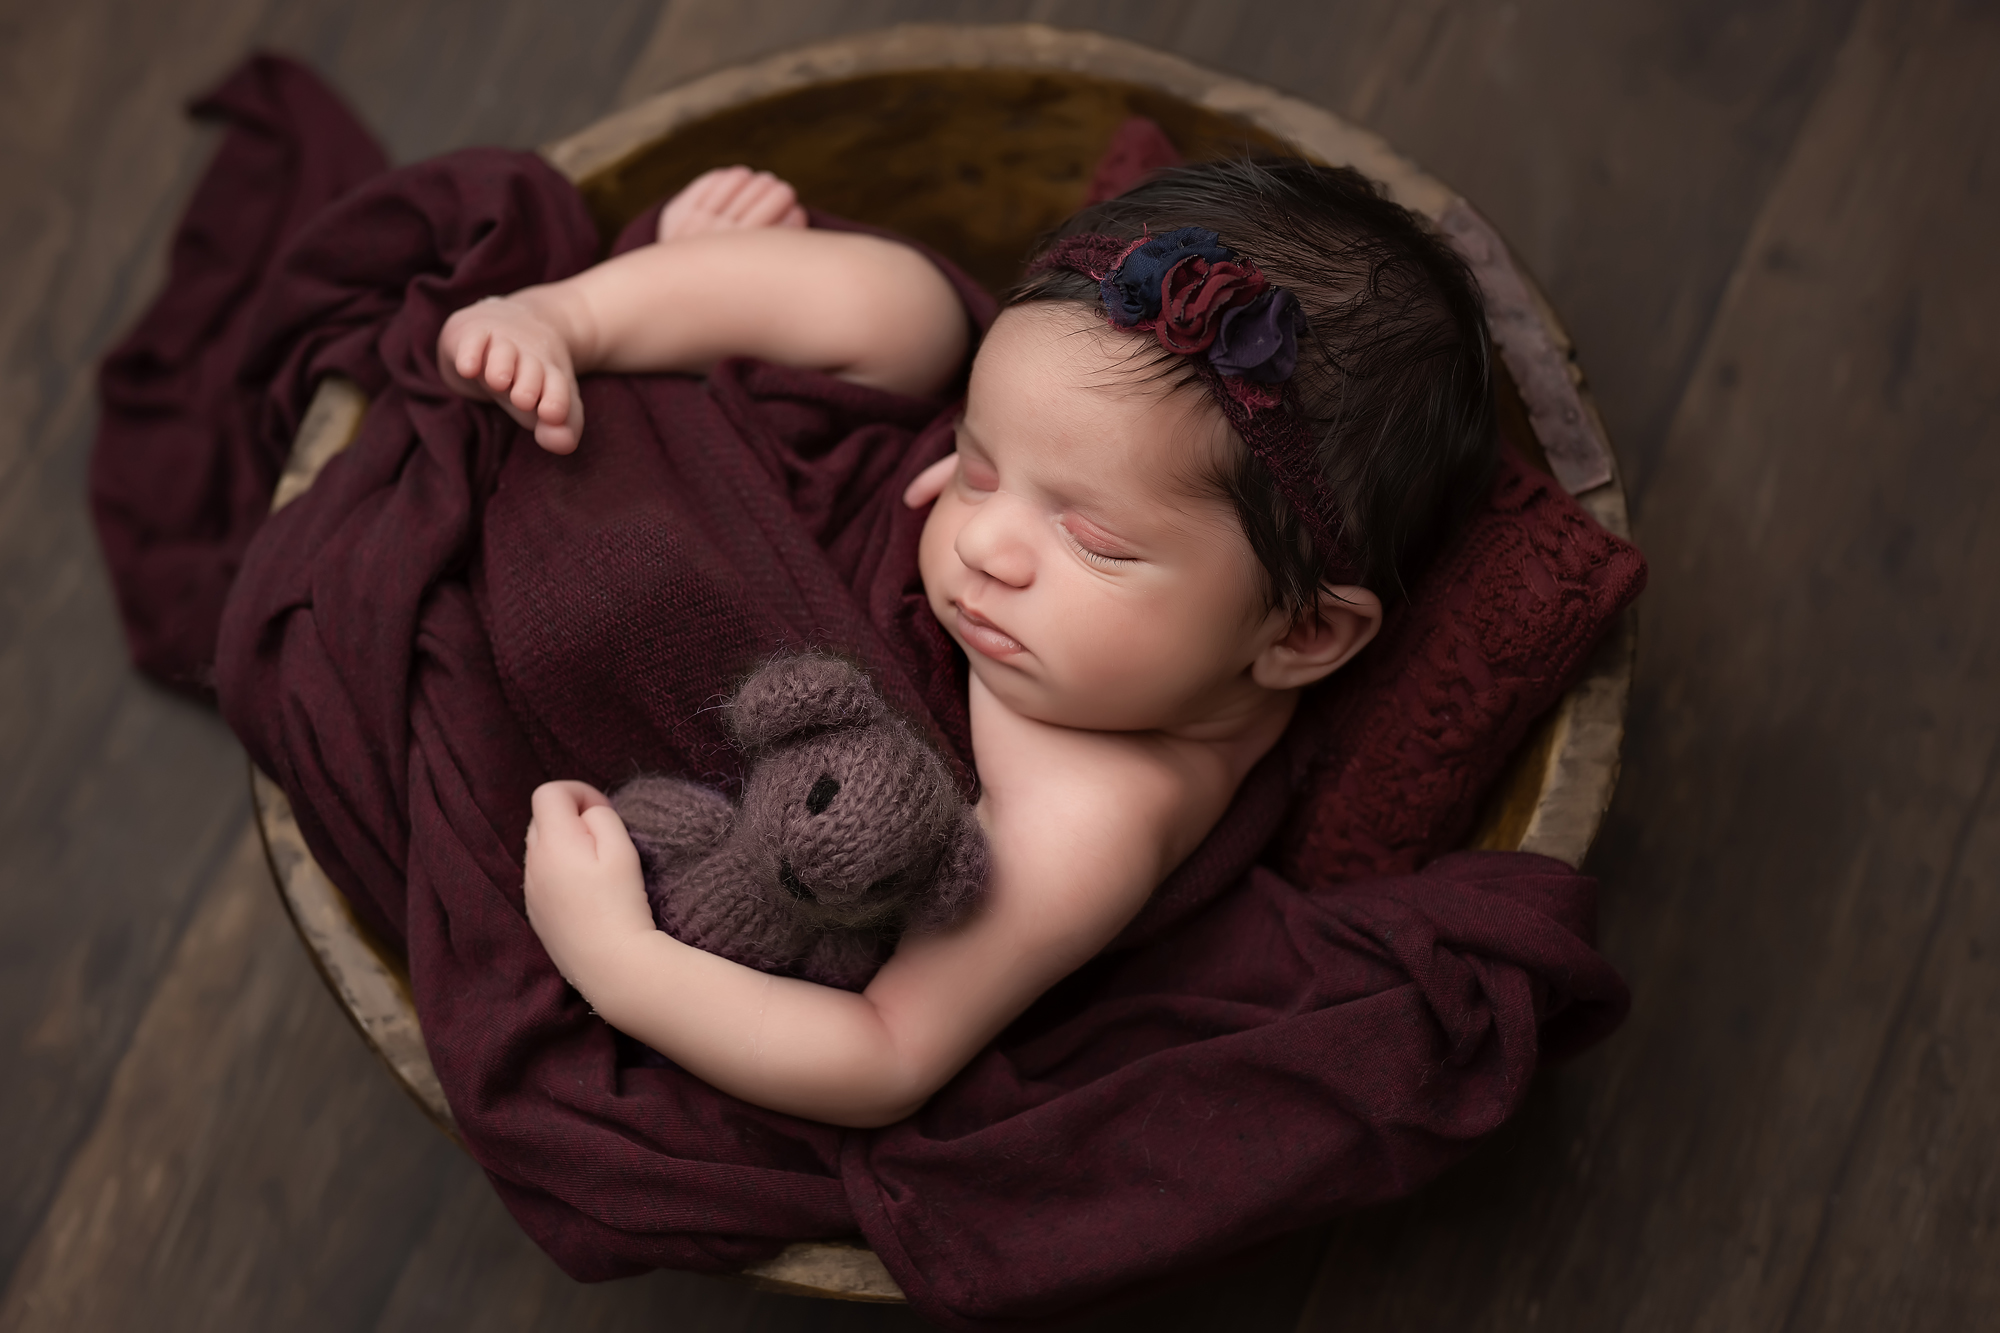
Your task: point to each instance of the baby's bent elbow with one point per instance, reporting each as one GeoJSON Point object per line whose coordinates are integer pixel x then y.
{"type": "Point", "coordinates": [876, 1114]}
{"type": "Point", "coordinates": [909, 329]}
{"type": "Point", "coordinates": [885, 1085]}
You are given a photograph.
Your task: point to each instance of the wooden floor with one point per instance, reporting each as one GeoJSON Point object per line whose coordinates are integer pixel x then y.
{"type": "Point", "coordinates": [1770, 226]}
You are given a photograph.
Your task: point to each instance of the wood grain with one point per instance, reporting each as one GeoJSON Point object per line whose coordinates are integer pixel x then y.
{"type": "Point", "coordinates": [114, 804]}
{"type": "Point", "coordinates": [222, 1185]}
{"type": "Point", "coordinates": [118, 802]}
{"type": "Point", "coordinates": [1812, 1013]}
{"type": "Point", "coordinates": [1623, 150]}
{"type": "Point", "coordinates": [1909, 1237]}
{"type": "Point", "coordinates": [1816, 713]}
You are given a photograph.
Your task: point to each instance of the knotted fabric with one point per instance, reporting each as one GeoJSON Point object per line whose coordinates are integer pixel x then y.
{"type": "Point", "coordinates": [451, 616]}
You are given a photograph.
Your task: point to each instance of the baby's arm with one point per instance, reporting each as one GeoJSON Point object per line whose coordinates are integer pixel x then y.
{"type": "Point", "coordinates": [859, 307]}
{"type": "Point", "coordinates": [1081, 826]}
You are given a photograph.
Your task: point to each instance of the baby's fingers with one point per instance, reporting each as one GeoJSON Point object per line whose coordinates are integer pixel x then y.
{"type": "Point", "coordinates": [558, 825]}
{"type": "Point", "coordinates": [930, 483]}
{"type": "Point", "coordinates": [614, 845]}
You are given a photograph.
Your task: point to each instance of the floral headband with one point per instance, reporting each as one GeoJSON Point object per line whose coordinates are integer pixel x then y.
{"type": "Point", "coordinates": [1201, 300]}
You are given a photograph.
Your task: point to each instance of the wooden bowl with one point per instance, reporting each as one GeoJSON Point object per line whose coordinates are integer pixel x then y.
{"type": "Point", "coordinates": [976, 139]}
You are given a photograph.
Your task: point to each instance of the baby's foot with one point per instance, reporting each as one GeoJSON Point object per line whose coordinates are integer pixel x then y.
{"type": "Point", "coordinates": [731, 199]}
{"type": "Point", "coordinates": [503, 350]}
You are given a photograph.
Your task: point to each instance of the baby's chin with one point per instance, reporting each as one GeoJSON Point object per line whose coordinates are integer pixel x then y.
{"type": "Point", "coordinates": [1028, 693]}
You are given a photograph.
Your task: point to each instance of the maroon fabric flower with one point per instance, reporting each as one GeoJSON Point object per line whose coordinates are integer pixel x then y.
{"type": "Point", "coordinates": [1193, 296]}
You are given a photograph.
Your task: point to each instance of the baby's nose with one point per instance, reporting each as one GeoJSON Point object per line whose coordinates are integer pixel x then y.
{"type": "Point", "coordinates": [992, 543]}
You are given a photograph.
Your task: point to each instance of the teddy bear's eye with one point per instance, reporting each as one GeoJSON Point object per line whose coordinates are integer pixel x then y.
{"type": "Point", "coordinates": [822, 793]}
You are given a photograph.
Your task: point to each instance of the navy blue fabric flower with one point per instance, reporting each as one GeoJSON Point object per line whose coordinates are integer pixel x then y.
{"type": "Point", "coordinates": [1259, 341]}
{"type": "Point", "coordinates": [1132, 290]}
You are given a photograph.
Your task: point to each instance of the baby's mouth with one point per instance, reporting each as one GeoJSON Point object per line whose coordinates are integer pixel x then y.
{"type": "Point", "coordinates": [982, 634]}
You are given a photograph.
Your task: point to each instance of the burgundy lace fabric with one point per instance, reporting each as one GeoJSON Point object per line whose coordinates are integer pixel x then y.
{"type": "Point", "coordinates": [1427, 718]}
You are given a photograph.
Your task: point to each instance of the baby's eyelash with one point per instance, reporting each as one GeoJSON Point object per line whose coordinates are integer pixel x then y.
{"type": "Point", "coordinates": [1095, 557]}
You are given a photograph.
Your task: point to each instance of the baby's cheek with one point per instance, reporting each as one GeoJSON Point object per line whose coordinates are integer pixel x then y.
{"type": "Point", "coordinates": [935, 553]}
{"type": "Point", "coordinates": [1142, 657]}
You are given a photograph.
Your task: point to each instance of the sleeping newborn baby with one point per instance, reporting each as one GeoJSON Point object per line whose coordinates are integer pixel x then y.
{"type": "Point", "coordinates": [1219, 412]}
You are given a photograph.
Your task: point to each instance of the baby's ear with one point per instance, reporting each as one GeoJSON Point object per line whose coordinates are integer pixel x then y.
{"type": "Point", "coordinates": [960, 881]}
{"type": "Point", "coordinates": [1320, 642]}
{"type": "Point", "coordinates": [791, 696]}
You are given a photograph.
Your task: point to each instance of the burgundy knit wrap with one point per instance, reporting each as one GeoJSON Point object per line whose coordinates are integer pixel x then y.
{"type": "Point", "coordinates": [451, 616]}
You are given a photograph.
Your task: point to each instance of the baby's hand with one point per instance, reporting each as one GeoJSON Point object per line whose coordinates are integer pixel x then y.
{"type": "Point", "coordinates": [930, 483]}
{"type": "Point", "coordinates": [502, 349]}
{"type": "Point", "coordinates": [586, 895]}
{"type": "Point", "coordinates": [728, 199]}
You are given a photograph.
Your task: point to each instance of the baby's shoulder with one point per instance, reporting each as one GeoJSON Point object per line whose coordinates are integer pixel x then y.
{"type": "Point", "coordinates": [1118, 796]}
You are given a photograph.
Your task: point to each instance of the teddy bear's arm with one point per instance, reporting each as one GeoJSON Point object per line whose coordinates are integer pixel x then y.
{"type": "Point", "coordinates": [672, 820]}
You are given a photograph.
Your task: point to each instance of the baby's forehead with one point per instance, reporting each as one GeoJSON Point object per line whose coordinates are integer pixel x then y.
{"type": "Point", "coordinates": [1054, 372]}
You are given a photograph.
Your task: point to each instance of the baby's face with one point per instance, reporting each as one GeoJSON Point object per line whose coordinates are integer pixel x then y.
{"type": "Point", "coordinates": [1072, 554]}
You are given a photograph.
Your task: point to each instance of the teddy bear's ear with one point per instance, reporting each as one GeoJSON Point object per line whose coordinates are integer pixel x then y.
{"type": "Point", "coordinates": [960, 881]}
{"type": "Point", "coordinates": [793, 695]}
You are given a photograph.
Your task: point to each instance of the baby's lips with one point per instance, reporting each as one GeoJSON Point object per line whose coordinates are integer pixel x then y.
{"type": "Point", "coordinates": [983, 635]}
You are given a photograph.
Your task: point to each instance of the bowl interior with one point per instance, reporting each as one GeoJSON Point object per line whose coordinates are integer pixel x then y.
{"type": "Point", "coordinates": [975, 163]}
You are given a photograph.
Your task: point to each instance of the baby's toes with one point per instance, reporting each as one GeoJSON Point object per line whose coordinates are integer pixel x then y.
{"type": "Point", "coordinates": [527, 391]}
{"type": "Point", "coordinates": [470, 359]}
{"type": "Point", "coordinates": [559, 438]}
{"type": "Point", "coordinates": [501, 359]}
{"type": "Point", "coordinates": [764, 202]}
{"type": "Point", "coordinates": [701, 202]}
{"type": "Point", "coordinates": [554, 408]}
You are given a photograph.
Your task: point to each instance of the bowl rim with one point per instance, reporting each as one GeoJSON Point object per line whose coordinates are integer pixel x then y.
{"type": "Point", "coordinates": [1578, 741]}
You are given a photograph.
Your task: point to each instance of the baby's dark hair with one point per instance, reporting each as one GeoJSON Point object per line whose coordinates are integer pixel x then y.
{"type": "Point", "coordinates": [1394, 373]}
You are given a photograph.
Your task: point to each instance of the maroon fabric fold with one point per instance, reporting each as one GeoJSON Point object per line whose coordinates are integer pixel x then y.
{"type": "Point", "coordinates": [179, 478]}
{"type": "Point", "coordinates": [450, 616]}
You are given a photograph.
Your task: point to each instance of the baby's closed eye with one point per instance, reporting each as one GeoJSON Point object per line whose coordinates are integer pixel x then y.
{"type": "Point", "coordinates": [1093, 546]}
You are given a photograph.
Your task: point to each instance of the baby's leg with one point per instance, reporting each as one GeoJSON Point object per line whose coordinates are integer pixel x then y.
{"type": "Point", "coordinates": [731, 198]}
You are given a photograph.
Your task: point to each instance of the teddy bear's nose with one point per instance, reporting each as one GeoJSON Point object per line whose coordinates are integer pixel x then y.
{"type": "Point", "coordinates": [790, 882]}
{"type": "Point", "coordinates": [822, 793]}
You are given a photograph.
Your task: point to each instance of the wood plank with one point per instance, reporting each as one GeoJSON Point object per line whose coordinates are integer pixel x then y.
{"type": "Point", "coordinates": [247, 1165]}
{"type": "Point", "coordinates": [696, 37]}
{"type": "Point", "coordinates": [1627, 151]}
{"type": "Point", "coordinates": [473, 1268]}
{"type": "Point", "coordinates": [1816, 713]}
{"type": "Point", "coordinates": [1623, 150]}
{"type": "Point", "coordinates": [117, 801]}
{"type": "Point", "coordinates": [452, 73]}
{"type": "Point", "coordinates": [1908, 1239]}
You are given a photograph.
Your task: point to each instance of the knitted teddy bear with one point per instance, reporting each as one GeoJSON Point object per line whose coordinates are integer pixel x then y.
{"type": "Point", "coordinates": [849, 832]}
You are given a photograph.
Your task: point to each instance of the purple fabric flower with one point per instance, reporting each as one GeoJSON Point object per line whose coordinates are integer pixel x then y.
{"type": "Point", "coordinates": [1259, 341]}
{"type": "Point", "coordinates": [1195, 295]}
{"type": "Point", "coordinates": [1132, 289]}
